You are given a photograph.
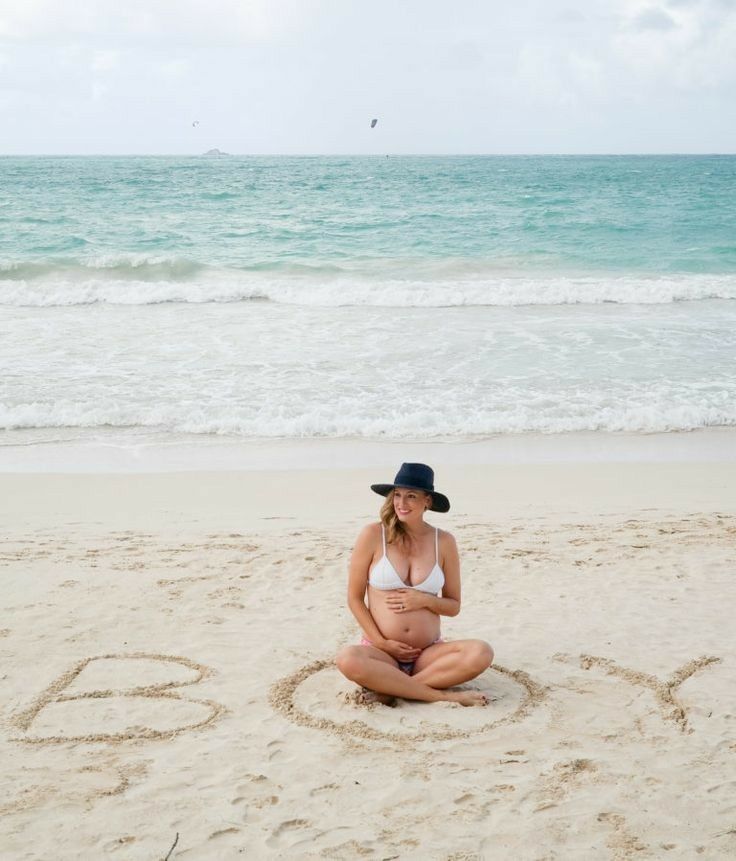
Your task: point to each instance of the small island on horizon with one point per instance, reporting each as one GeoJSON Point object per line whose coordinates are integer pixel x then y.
{"type": "Point", "coordinates": [215, 151]}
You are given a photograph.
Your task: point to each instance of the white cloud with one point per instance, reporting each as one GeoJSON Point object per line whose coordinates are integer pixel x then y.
{"type": "Point", "coordinates": [173, 70]}
{"type": "Point", "coordinates": [98, 90]}
{"type": "Point", "coordinates": [192, 21]}
{"type": "Point", "coordinates": [70, 55]}
{"type": "Point", "coordinates": [285, 75]}
{"type": "Point", "coordinates": [653, 19]}
{"type": "Point", "coordinates": [587, 73]}
{"type": "Point", "coordinates": [542, 74]}
{"type": "Point", "coordinates": [105, 61]}
{"type": "Point", "coordinates": [463, 55]}
{"type": "Point", "coordinates": [695, 53]}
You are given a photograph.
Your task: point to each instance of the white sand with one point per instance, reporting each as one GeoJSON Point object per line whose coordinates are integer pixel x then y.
{"type": "Point", "coordinates": [165, 645]}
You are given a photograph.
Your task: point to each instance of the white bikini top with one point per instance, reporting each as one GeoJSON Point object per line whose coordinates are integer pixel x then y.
{"type": "Point", "coordinates": [384, 576]}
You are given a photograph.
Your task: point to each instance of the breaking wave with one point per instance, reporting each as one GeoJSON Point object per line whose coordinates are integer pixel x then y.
{"type": "Point", "coordinates": [153, 281]}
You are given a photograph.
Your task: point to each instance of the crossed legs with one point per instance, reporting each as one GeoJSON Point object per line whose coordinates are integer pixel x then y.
{"type": "Point", "coordinates": [438, 667]}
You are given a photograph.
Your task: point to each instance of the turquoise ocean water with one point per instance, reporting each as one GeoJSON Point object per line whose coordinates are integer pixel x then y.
{"type": "Point", "coordinates": [406, 297]}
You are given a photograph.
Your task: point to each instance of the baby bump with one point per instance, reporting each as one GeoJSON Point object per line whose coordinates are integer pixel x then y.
{"type": "Point", "coordinates": [417, 628]}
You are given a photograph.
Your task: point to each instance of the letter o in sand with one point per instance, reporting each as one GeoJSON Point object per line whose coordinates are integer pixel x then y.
{"type": "Point", "coordinates": [318, 696]}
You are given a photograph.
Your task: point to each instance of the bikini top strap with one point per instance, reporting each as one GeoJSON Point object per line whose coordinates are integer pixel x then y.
{"type": "Point", "coordinates": [383, 538]}
{"type": "Point", "coordinates": [436, 545]}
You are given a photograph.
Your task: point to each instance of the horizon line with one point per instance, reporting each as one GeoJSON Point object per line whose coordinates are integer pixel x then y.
{"type": "Point", "coordinates": [356, 154]}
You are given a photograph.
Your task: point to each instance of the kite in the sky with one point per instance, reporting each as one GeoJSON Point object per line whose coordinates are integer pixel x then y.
{"type": "Point", "coordinates": [373, 123]}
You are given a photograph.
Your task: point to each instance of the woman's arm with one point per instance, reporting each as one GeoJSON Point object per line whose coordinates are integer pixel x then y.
{"type": "Point", "coordinates": [358, 582]}
{"type": "Point", "coordinates": [442, 606]}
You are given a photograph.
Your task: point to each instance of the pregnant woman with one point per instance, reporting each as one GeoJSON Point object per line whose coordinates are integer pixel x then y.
{"type": "Point", "coordinates": [409, 572]}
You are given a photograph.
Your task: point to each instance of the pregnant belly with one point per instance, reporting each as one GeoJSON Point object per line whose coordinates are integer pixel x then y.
{"type": "Point", "coordinates": [418, 628]}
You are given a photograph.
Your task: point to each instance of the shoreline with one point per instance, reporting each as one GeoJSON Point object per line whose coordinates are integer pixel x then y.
{"type": "Point", "coordinates": [133, 452]}
{"type": "Point", "coordinates": [324, 498]}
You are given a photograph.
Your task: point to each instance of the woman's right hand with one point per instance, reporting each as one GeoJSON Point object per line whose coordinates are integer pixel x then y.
{"type": "Point", "coordinates": [400, 651]}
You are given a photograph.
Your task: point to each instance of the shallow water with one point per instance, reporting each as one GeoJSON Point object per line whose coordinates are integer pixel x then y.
{"type": "Point", "coordinates": [397, 298]}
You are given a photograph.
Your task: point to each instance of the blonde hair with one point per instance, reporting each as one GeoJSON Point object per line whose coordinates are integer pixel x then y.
{"type": "Point", "coordinates": [395, 531]}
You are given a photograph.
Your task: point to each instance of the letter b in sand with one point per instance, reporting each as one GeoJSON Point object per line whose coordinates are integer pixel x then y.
{"type": "Point", "coordinates": [115, 698]}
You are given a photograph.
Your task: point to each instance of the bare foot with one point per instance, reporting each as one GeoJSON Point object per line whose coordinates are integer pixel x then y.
{"type": "Point", "coordinates": [468, 698]}
{"type": "Point", "coordinates": [367, 697]}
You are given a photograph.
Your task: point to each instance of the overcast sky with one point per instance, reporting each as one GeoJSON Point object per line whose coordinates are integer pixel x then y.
{"type": "Point", "coordinates": [307, 76]}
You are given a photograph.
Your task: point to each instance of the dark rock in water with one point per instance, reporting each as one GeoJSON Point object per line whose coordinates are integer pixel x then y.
{"type": "Point", "coordinates": [215, 151]}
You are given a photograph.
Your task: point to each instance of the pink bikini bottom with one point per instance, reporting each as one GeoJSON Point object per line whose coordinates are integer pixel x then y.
{"type": "Point", "coordinates": [405, 666]}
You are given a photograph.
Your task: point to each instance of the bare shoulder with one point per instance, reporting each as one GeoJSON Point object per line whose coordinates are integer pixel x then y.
{"type": "Point", "coordinates": [446, 539]}
{"type": "Point", "coordinates": [371, 530]}
{"type": "Point", "coordinates": [368, 535]}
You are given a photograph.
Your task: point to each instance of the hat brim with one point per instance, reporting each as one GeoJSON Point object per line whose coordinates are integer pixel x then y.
{"type": "Point", "coordinates": [439, 501]}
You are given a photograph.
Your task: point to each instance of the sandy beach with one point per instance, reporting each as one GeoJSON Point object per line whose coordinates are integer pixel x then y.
{"type": "Point", "coordinates": [166, 647]}
{"type": "Point", "coordinates": [254, 258]}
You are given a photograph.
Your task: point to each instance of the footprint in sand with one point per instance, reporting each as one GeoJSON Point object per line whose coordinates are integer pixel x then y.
{"type": "Point", "coordinates": [318, 696]}
{"type": "Point", "coordinates": [115, 698]}
{"type": "Point", "coordinates": [290, 833]}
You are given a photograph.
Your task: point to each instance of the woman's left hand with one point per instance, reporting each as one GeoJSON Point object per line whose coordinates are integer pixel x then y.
{"type": "Point", "coordinates": [403, 600]}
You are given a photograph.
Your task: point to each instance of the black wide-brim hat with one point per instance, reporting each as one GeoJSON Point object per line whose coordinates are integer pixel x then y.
{"type": "Point", "coordinates": [416, 476]}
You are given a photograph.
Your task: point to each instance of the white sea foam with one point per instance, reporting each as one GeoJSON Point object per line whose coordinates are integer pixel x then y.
{"type": "Point", "coordinates": [322, 419]}
{"type": "Point", "coordinates": [325, 289]}
{"type": "Point", "coordinates": [60, 293]}
{"type": "Point", "coordinates": [271, 370]}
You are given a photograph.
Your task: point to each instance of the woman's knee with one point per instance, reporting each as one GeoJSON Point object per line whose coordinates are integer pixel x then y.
{"type": "Point", "coordinates": [479, 654]}
{"type": "Point", "coordinates": [349, 661]}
